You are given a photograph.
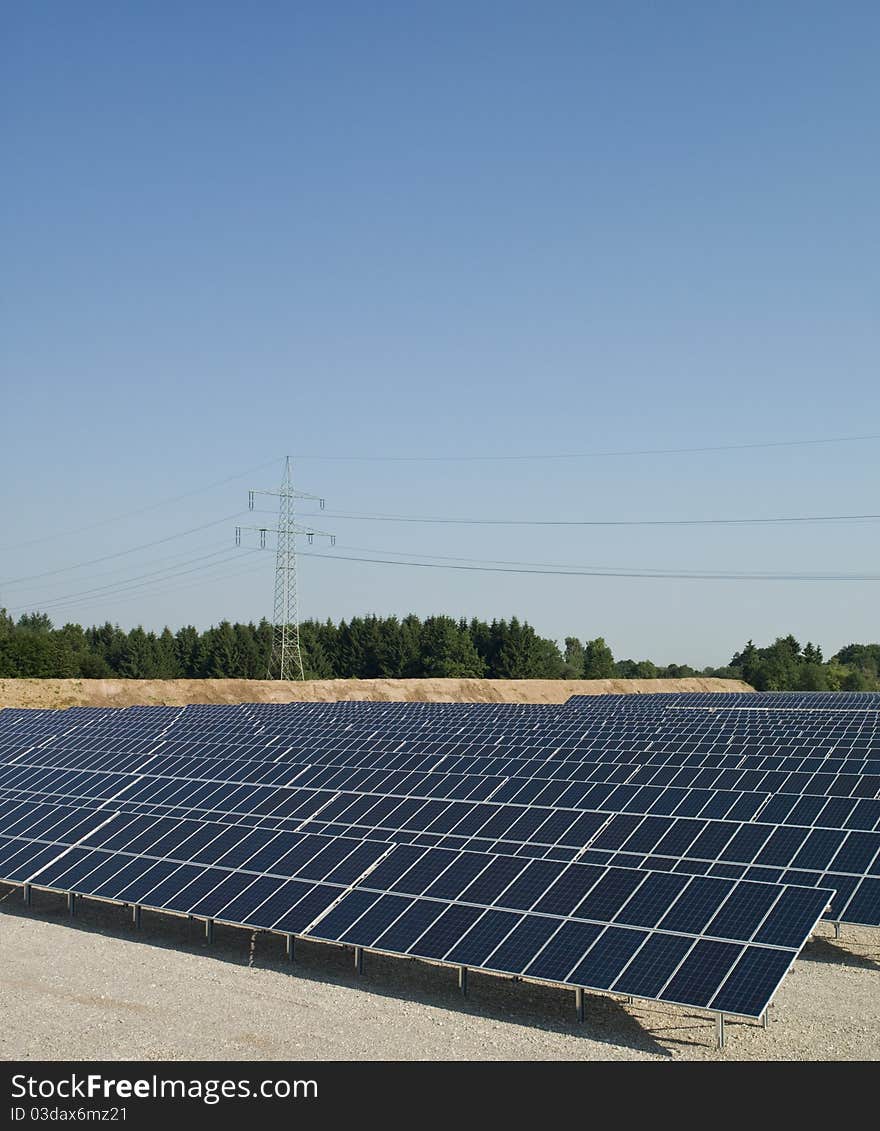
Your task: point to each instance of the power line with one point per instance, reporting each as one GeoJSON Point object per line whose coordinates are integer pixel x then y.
{"type": "Point", "coordinates": [588, 572]}
{"type": "Point", "coordinates": [120, 570]}
{"type": "Point", "coordinates": [133, 582]}
{"type": "Point", "coordinates": [133, 513]}
{"type": "Point", "coordinates": [599, 454]}
{"type": "Point", "coordinates": [144, 590]}
{"type": "Point", "coordinates": [120, 553]}
{"type": "Point", "coordinates": [225, 576]}
{"type": "Point", "coordinates": [436, 520]}
{"type": "Point", "coordinates": [608, 569]}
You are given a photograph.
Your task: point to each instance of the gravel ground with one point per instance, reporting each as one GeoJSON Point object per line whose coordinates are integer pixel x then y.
{"type": "Point", "coordinates": [94, 989]}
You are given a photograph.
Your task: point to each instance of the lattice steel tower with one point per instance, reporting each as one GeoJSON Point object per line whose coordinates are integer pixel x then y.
{"type": "Point", "coordinates": [285, 661]}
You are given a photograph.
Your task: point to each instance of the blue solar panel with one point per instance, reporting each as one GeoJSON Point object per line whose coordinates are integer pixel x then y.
{"type": "Point", "coordinates": [559, 812]}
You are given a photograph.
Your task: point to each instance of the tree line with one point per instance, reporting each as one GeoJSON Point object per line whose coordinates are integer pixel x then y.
{"type": "Point", "coordinates": [373, 647]}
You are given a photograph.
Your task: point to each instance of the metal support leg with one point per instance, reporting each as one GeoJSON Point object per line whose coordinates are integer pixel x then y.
{"type": "Point", "coordinates": [837, 930]}
{"type": "Point", "coordinates": [765, 1020]}
{"type": "Point", "coordinates": [359, 959]}
{"type": "Point", "coordinates": [629, 1001]}
{"type": "Point", "coordinates": [462, 980]}
{"type": "Point", "coordinates": [71, 903]}
{"type": "Point", "coordinates": [289, 948]}
{"type": "Point", "coordinates": [209, 930]}
{"type": "Point", "coordinates": [579, 1003]}
{"type": "Point", "coordinates": [136, 916]}
{"type": "Point", "coordinates": [28, 897]}
{"type": "Point", "coordinates": [719, 1029]}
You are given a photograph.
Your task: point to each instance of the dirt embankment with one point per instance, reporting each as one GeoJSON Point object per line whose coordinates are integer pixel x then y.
{"type": "Point", "coordinates": [178, 692]}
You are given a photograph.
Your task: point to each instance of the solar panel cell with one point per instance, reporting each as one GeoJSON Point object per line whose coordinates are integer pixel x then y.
{"type": "Point", "coordinates": [654, 964]}
{"type": "Point", "coordinates": [702, 972]}
{"type": "Point", "coordinates": [602, 965]}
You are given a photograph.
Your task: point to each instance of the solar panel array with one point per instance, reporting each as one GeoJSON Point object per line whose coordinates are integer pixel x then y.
{"type": "Point", "coordinates": [678, 848]}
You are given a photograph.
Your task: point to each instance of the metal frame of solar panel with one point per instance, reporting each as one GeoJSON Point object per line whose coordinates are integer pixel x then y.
{"type": "Point", "coordinates": [134, 745]}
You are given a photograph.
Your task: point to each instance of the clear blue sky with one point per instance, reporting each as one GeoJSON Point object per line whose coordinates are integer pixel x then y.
{"type": "Point", "coordinates": [236, 231]}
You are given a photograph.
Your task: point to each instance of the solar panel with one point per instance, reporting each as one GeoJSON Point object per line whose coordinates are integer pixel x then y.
{"type": "Point", "coordinates": [679, 848]}
{"type": "Point", "coordinates": [427, 906]}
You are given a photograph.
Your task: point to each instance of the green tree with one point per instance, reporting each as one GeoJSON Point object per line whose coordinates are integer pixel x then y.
{"type": "Point", "coordinates": [598, 660]}
{"type": "Point", "coordinates": [189, 651]}
{"type": "Point", "coordinates": [221, 652]}
{"type": "Point", "coordinates": [574, 658]}
{"type": "Point", "coordinates": [447, 651]}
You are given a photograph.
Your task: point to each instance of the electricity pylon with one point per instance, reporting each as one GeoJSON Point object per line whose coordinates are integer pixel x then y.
{"type": "Point", "coordinates": [285, 661]}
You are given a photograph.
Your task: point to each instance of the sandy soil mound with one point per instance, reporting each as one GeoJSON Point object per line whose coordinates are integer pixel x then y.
{"type": "Point", "coordinates": [176, 692]}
